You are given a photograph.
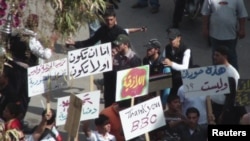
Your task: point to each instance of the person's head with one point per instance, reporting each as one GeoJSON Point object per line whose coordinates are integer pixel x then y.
{"type": "Point", "coordinates": [192, 115]}
{"type": "Point", "coordinates": [51, 116]}
{"type": "Point", "coordinates": [122, 43]}
{"type": "Point", "coordinates": [32, 22]}
{"type": "Point", "coordinates": [103, 124]}
{"type": "Point", "coordinates": [174, 36]}
{"type": "Point", "coordinates": [153, 47]}
{"type": "Point", "coordinates": [110, 18]}
{"type": "Point", "coordinates": [11, 111]}
{"type": "Point", "coordinates": [220, 55]}
{"type": "Point", "coordinates": [174, 103]}
{"type": "Point", "coordinates": [245, 119]}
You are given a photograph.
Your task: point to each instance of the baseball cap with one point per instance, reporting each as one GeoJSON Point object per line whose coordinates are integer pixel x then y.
{"type": "Point", "coordinates": [173, 33]}
{"type": "Point", "coordinates": [153, 43]}
{"type": "Point", "coordinates": [121, 39]}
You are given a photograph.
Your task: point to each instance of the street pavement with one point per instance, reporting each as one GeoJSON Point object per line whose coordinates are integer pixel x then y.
{"type": "Point", "coordinates": [156, 25]}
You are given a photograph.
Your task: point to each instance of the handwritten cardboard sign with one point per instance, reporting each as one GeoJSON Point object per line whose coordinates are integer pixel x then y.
{"type": "Point", "coordinates": [210, 80]}
{"type": "Point", "coordinates": [73, 120]}
{"type": "Point", "coordinates": [142, 118]}
{"type": "Point", "coordinates": [90, 107]}
{"type": "Point", "coordinates": [47, 77]}
{"type": "Point", "coordinates": [242, 97]}
{"type": "Point", "coordinates": [132, 82]}
{"type": "Point", "coordinates": [90, 60]}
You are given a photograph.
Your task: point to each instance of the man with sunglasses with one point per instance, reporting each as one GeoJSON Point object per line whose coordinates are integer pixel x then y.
{"type": "Point", "coordinates": [153, 57]}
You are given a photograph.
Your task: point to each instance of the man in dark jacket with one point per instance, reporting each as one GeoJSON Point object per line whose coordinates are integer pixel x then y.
{"type": "Point", "coordinates": [177, 57]}
{"type": "Point", "coordinates": [124, 59]}
{"type": "Point", "coordinates": [106, 33]}
{"type": "Point", "coordinates": [153, 57]}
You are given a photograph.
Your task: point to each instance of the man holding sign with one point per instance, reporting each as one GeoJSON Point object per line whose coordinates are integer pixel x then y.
{"type": "Point", "coordinates": [218, 101]}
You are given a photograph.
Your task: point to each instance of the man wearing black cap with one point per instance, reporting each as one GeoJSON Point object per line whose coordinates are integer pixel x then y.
{"type": "Point", "coordinates": [124, 59]}
{"type": "Point", "coordinates": [153, 57]}
{"type": "Point", "coordinates": [177, 56]}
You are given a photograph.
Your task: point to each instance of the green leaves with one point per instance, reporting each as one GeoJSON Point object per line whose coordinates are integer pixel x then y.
{"type": "Point", "coordinates": [70, 15]}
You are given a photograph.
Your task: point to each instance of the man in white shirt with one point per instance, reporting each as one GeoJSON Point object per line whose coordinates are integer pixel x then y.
{"type": "Point", "coordinates": [223, 105]}
{"type": "Point", "coordinates": [220, 58]}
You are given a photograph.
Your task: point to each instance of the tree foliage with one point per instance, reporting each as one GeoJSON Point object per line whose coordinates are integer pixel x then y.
{"type": "Point", "coordinates": [70, 15]}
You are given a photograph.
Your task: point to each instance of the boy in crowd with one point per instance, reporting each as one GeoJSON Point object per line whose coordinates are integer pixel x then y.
{"type": "Point", "coordinates": [103, 128]}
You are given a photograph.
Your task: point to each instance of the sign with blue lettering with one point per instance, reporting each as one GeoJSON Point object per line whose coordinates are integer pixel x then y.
{"type": "Point", "coordinates": [47, 77]}
{"type": "Point", "coordinates": [210, 80]}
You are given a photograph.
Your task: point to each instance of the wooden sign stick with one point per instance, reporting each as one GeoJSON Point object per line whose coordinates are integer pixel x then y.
{"type": "Point", "coordinates": [69, 138]}
{"type": "Point", "coordinates": [48, 96]}
{"type": "Point", "coordinates": [70, 85]}
{"type": "Point", "coordinates": [209, 110]}
{"type": "Point", "coordinates": [147, 138]}
{"type": "Point", "coordinates": [91, 83]}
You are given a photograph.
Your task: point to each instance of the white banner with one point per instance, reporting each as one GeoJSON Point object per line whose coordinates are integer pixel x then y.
{"type": "Point", "coordinates": [90, 60]}
{"type": "Point", "coordinates": [47, 77]}
{"type": "Point", "coordinates": [142, 118]}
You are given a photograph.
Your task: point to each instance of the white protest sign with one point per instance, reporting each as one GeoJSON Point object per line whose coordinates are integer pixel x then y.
{"type": "Point", "coordinates": [132, 82]}
{"type": "Point", "coordinates": [90, 60]}
{"type": "Point", "coordinates": [210, 80]}
{"type": "Point", "coordinates": [90, 107]}
{"type": "Point", "coordinates": [142, 118]}
{"type": "Point", "coordinates": [47, 77]}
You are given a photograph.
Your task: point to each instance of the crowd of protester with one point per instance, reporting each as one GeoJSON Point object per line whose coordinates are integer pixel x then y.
{"type": "Point", "coordinates": [186, 118]}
